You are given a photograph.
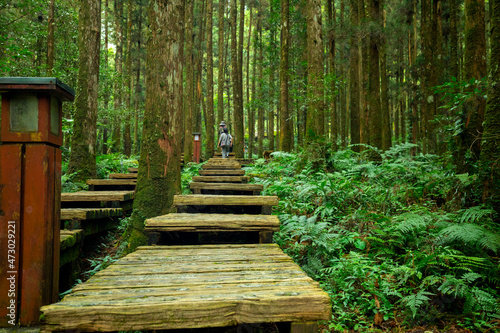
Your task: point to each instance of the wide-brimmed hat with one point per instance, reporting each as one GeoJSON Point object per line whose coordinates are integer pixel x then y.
{"type": "Point", "coordinates": [222, 123]}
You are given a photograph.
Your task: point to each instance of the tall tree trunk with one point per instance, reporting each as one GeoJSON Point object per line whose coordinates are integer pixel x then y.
{"type": "Point", "coordinates": [189, 102]}
{"type": "Point", "coordinates": [454, 69]}
{"type": "Point", "coordinates": [384, 100]}
{"type": "Point", "coordinates": [251, 115]}
{"type": "Point", "coordinates": [343, 119]}
{"type": "Point", "coordinates": [138, 87]}
{"type": "Point", "coordinates": [106, 82]}
{"type": "Point", "coordinates": [199, 70]}
{"type": "Point", "coordinates": [474, 69]}
{"type": "Point", "coordinates": [363, 49]}
{"type": "Point", "coordinates": [354, 80]}
{"type": "Point", "coordinates": [273, 56]}
{"type": "Point", "coordinates": [315, 128]}
{"type": "Point", "coordinates": [127, 135]}
{"type": "Point", "coordinates": [331, 59]}
{"type": "Point", "coordinates": [490, 145]}
{"type": "Point", "coordinates": [374, 109]}
{"type": "Point", "coordinates": [260, 106]}
{"type": "Point", "coordinates": [286, 138]}
{"type": "Point", "coordinates": [237, 61]}
{"type": "Point", "coordinates": [118, 91]}
{"type": "Point", "coordinates": [158, 179]}
{"type": "Point", "coordinates": [83, 148]}
{"type": "Point", "coordinates": [210, 125]}
{"type": "Point", "coordinates": [50, 39]}
{"type": "Point", "coordinates": [415, 131]}
{"type": "Point", "coordinates": [221, 66]}
{"type": "Point", "coordinates": [249, 106]}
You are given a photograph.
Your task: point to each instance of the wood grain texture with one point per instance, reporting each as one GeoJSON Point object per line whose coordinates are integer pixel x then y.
{"type": "Point", "coordinates": [212, 222]}
{"type": "Point", "coordinates": [178, 287]}
{"type": "Point", "coordinates": [69, 238]}
{"type": "Point", "coordinates": [226, 186]}
{"type": "Point", "coordinates": [123, 176]}
{"type": "Point", "coordinates": [222, 200]}
{"type": "Point", "coordinates": [89, 213]}
{"type": "Point", "coordinates": [111, 182]}
{"type": "Point", "coordinates": [221, 172]}
{"type": "Point", "coordinates": [221, 179]}
{"type": "Point", "coordinates": [98, 196]}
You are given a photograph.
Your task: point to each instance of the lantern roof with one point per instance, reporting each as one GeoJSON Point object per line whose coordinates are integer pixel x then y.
{"type": "Point", "coordinates": [49, 85]}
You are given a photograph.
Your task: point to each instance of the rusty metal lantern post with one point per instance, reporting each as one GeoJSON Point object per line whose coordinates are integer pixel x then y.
{"type": "Point", "coordinates": [30, 196]}
{"type": "Point", "coordinates": [197, 147]}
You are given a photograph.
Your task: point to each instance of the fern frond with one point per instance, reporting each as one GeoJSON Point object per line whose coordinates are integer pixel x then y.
{"type": "Point", "coordinates": [474, 214]}
{"type": "Point", "coordinates": [472, 235]}
{"type": "Point", "coordinates": [415, 301]}
{"type": "Point", "coordinates": [410, 222]}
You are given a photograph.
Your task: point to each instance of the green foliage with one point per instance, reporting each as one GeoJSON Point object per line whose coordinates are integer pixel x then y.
{"type": "Point", "coordinates": [188, 172]}
{"type": "Point", "coordinates": [114, 163]}
{"type": "Point", "coordinates": [398, 237]}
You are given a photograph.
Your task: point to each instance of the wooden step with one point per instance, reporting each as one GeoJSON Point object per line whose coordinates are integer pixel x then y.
{"type": "Point", "coordinates": [123, 175]}
{"type": "Point", "coordinates": [221, 179]}
{"type": "Point", "coordinates": [71, 242]}
{"type": "Point", "coordinates": [218, 172]}
{"type": "Point", "coordinates": [88, 199]}
{"type": "Point", "coordinates": [111, 184]}
{"type": "Point", "coordinates": [133, 170]}
{"type": "Point", "coordinates": [226, 188]}
{"type": "Point", "coordinates": [221, 166]}
{"type": "Point", "coordinates": [203, 203]}
{"type": "Point", "coordinates": [212, 222]}
{"type": "Point", "coordinates": [91, 220]}
{"type": "Point", "coordinates": [89, 213]}
{"type": "Point", "coordinates": [188, 287]}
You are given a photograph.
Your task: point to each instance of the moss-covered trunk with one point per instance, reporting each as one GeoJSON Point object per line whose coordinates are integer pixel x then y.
{"type": "Point", "coordinates": [354, 77]}
{"type": "Point", "coordinates": [159, 164]}
{"type": "Point", "coordinates": [83, 149]}
{"type": "Point", "coordinates": [490, 146]}
{"type": "Point", "coordinates": [210, 121]}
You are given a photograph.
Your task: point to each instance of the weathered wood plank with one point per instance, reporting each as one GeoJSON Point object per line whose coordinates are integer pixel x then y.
{"type": "Point", "coordinates": [89, 213]}
{"type": "Point", "coordinates": [111, 182]}
{"type": "Point", "coordinates": [97, 196]}
{"type": "Point", "coordinates": [133, 170]}
{"type": "Point", "coordinates": [212, 222]}
{"type": "Point", "coordinates": [69, 238]}
{"type": "Point", "coordinates": [221, 179]}
{"type": "Point", "coordinates": [217, 172]}
{"type": "Point", "coordinates": [231, 187]}
{"type": "Point", "coordinates": [219, 293]}
{"type": "Point", "coordinates": [123, 176]}
{"type": "Point", "coordinates": [225, 200]}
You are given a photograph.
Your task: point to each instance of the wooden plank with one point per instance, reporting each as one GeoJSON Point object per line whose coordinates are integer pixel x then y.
{"type": "Point", "coordinates": [133, 170]}
{"type": "Point", "coordinates": [224, 200]}
{"type": "Point", "coordinates": [220, 167]}
{"type": "Point", "coordinates": [69, 238]}
{"type": "Point", "coordinates": [123, 175]}
{"type": "Point", "coordinates": [220, 293]}
{"type": "Point", "coordinates": [226, 188]}
{"type": "Point", "coordinates": [217, 172]}
{"type": "Point", "coordinates": [89, 213]}
{"type": "Point", "coordinates": [212, 222]}
{"type": "Point", "coordinates": [97, 196]}
{"type": "Point", "coordinates": [221, 179]}
{"type": "Point", "coordinates": [111, 182]}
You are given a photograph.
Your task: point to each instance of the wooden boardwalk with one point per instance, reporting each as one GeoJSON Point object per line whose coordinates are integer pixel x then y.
{"type": "Point", "coordinates": [173, 287]}
{"type": "Point", "coordinates": [165, 287]}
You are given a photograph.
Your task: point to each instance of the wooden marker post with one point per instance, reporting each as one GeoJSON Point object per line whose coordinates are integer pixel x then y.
{"type": "Point", "coordinates": [30, 196]}
{"type": "Point", "coordinates": [196, 147]}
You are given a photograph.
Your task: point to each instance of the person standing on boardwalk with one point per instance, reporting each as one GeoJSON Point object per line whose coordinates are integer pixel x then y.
{"type": "Point", "coordinates": [225, 142]}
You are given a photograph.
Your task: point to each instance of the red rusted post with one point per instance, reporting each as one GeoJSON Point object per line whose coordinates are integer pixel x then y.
{"type": "Point", "coordinates": [197, 147]}
{"type": "Point", "coordinates": [30, 190]}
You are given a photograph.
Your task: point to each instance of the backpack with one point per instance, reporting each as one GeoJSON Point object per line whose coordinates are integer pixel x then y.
{"type": "Point", "coordinates": [225, 142]}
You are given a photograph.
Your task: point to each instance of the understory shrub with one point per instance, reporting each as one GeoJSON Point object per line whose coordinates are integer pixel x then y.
{"type": "Point", "coordinates": [400, 240]}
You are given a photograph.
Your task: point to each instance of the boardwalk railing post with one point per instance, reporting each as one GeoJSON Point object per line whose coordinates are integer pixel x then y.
{"type": "Point", "coordinates": [30, 195]}
{"type": "Point", "coordinates": [197, 147]}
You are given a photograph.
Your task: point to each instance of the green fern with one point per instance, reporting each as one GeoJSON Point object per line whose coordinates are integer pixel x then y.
{"type": "Point", "coordinates": [471, 235]}
{"type": "Point", "coordinates": [474, 214]}
{"type": "Point", "coordinates": [415, 301]}
{"type": "Point", "coordinates": [411, 222]}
